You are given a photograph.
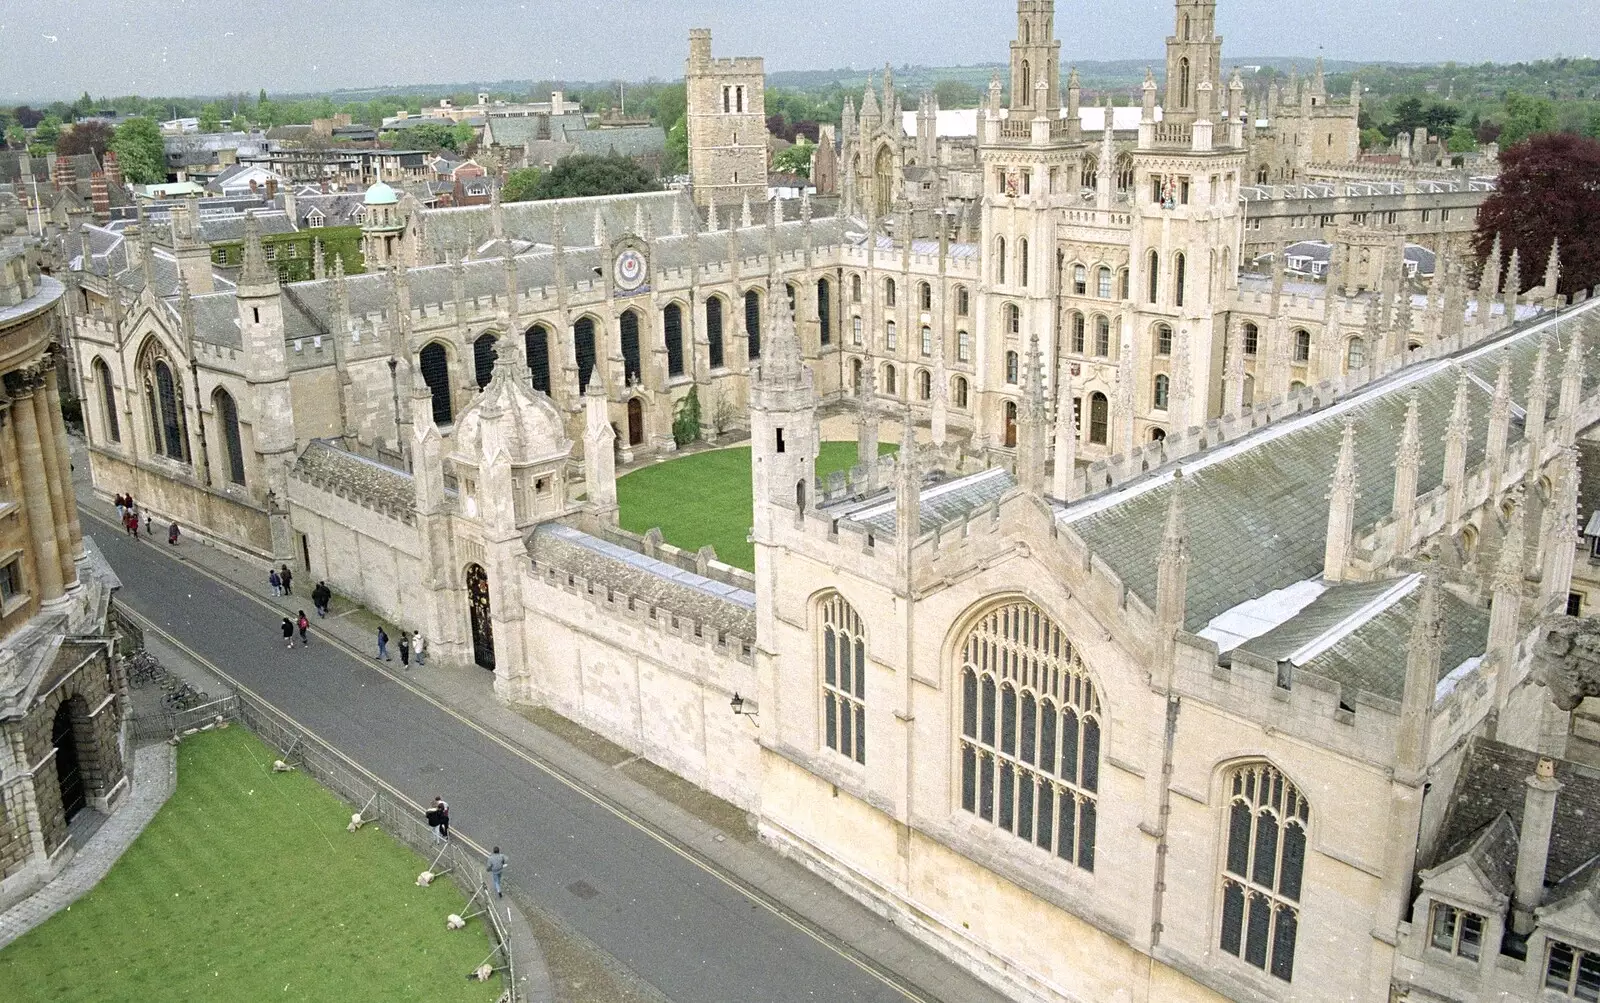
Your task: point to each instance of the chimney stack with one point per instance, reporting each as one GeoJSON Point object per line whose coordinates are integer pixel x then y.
{"type": "Point", "coordinates": [113, 169]}
{"type": "Point", "coordinates": [100, 195]}
{"type": "Point", "coordinates": [61, 175]}
{"type": "Point", "coordinates": [1533, 843]}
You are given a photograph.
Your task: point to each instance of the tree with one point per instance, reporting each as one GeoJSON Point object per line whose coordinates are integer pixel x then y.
{"type": "Point", "coordinates": [677, 159]}
{"type": "Point", "coordinates": [1371, 139]}
{"type": "Point", "coordinates": [211, 118]}
{"type": "Point", "coordinates": [957, 94]}
{"type": "Point", "coordinates": [92, 136]}
{"type": "Point", "coordinates": [27, 117]}
{"type": "Point", "coordinates": [520, 185]}
{"type": "Point", "coordinates": [1461, 140]}
{"type": "Point", "coordinates": [430, 136]}
{"type": "Point", "coordinates": [1526, 116]}
{"type": "Point", "coordinates": [1404, 116]}
{"type": "Point", "coordinates": [1440, 117]}
{"type": "Point", "coordinates": [671, 105]}
{"type": "Point", "coordinates": [796, 159]}
{"type": "Point", "coordinates": [1549, 191]}
{"type": "Point", "coordinates": [584, 175]}
{"type": "Point", "coordinates": [686, 420]}
{"type": "Point", "coordinates": [47, 132]}
{"type": "Point", "coordinates": [16, 137]}
{"type": "Point", "coordinates": [140, 151]}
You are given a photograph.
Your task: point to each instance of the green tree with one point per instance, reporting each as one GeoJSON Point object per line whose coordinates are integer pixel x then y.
{"type": "Point", "coordinates": [211, 118]}
{"type": "Point", "coordinates": [1462, 140]}
{"type": "Point", "coordinates": [686, 420]}
{"type": "Point", "coordinates": [140, 152]}
{"type": "Point", "coordinates": [677, 159]}
{"type": "Point", "coordinates": [586, 175]}
{"type": "Point", "coordinates": [1404, 116]}
{"type": "Point", "coordinates": [429, 136]}
{"type": "Point", "coordinates": [16, 137]}
{"type": "Point", "coordinates": [957, 94]}
{"type": "Point", "coordinates": [466, 137]}
{"type": "Point", "coordinates": [1371, 139]}
{"type": "Point", "coordinates": [47, 132]}
{"type": "Point", "coordinates": [1440, 117]}
{"type": "Point", "coordinates": [671, 105]}
{"type": "Point", "coordinates": [520, 185]}
{"type": "Point", "coordinates": [1525, 116]}
{"type": "Point", "coordinates": [796, 159]}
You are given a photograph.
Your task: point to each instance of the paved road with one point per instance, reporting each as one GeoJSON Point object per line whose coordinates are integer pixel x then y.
{"type": "Point", "coordinates": [678, 928]}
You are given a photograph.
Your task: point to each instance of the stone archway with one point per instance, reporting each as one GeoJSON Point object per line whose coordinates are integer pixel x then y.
{"type": "Point", "coordinates": [635, 421]}
{"type": "Point", "coordinates": [68, 761]}
{"type": "Point", "coordinates": [478, 611]}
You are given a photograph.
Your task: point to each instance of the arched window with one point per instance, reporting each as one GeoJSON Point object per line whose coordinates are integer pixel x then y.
{"type": "Point", "coordinates": [1091, 172]}
{"type": "Point", "coordinates": [672, 332]}
{"type": "Point", "coordinates": [1265, 862]}
{"type": "Point", "coordinates": [752, 322]}
{"type": "Point", "coordinates": [888, 292]}
{"type": "Point", "coordinates": [1163, 339]}
{"type": "Point", "coordinates": [1030, 733]}
{"type": "Point", "coordinates": [825, 311]}
{"type": "Point", "coordinates": [714, 330]}
{"type": "Point", "coordinates": [1154, 267]}
{"type": "Point", "coordinates": [1183, 83]}
{"type": "Point", "coordinates": [1099, 417]}
{"type": "Point", "coordinates": [483, 354]}
{"type": "Point", "coordinates": [1158, 434]}
{"type": "Point", "coordinates": [963, 301]}
{"type": "Point", "coordinates": [1355, 356]}
{"type": "Point", "coordinates": [999, 259]}
{"type": "Point", "coordinates": [855, 377]}
{"type": "Point", "coordinates": [855, 289]}
{"type": "Point", "coordinates": [1163, 389]}
{"type": "Point", "coordinates": [1124, 173]}
{"type": "Point", "coordinates": [1011, 424]}
{"type": "Point", "coordinates": [1013, 318]}
{"type": "Point", "coordinates": [1077, 326]}
{"type": "Point", "coordinates": [889, 382]}
{"type": "Point", "coordinates": [583, 349]}
{"type": "Point", "coordinates": [1252, 339]}
{"type": "Point", "coordinates": [1102, 337]}
{"type": "Point", "coordinates": [632, 371]}
{"type": "Point", "coordinates": [537, 343]}
{"type": "Point", "coordinates": [788, 290]}
{"type": "Point", "coordinates": [1302, 345]}
{"type": "Point", "coordinates": [844, 678]}
{"type": "Point", "coordinates": [1179, 273]}
{"type": "Point", "coordinates": [1122, 283]}
{"type": "Point", "coordinates": [1011, 367]}
{"type": "Point", "coordinates": [891, 336]}
{"type": "Point", "coordinates": [228, 423]}
{"type": "Point", "coordinates": [924, 385]}
{"type": "Point", "coordinates": [855, 330]}
{"type": "Point", "coordinates": [925, 296]}
{"type": "Point", "coordinates": [927, 340]}
{"type": "Point", "coordinates": [1025, 99]}
{"type": "Point", "coordinates": [963, 346]}
{"type": "Point", "coordinates": [960, 395]}
{"type": "Point", "coordinates": [1080, 280]}
{"type": "Point", "coordinates": [108, 401]}
{"type": "Point", "coordinates": [434, 362]}
{"type": "Point", "coordinates": [1102, 283]}
{"type": "Point", "coordinates": [1022, 260]}
{"type": "Point", "coordinates": [168, 423]}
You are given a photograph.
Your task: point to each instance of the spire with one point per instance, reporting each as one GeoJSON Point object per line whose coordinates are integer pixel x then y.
{"type": "Point", "coordinates": [745, 219]}
{"type": "Point", "coordinates": [1508, 568]}
{"type": "Point", "coordinates": [1499, 421]}
{"type": "Point", "coordinates": [1172, 567]}
{"type": "Point", "coordinates": [780, 364]}
{"type": "Point", "coordinates": [1065, 482]}
{"type": "Point", "coordinates": [1538, 403]}
{"type": "Point", "coordinates": [599, 451]}
{"type": "Point", "coordinates": [1031, 424]}
{"type": "Point", "coordinates": [1552, 270]}
{"type": "Point", "coordinates": [1489, 285]}
{"type": "Point", "coordinates": [255, 270]}
{"type": "Point", "coordinates": [1571, 385]}
{"type": "Point", "coordinates": [1406, 461]}
{"type": "Point", "coordinates": [1422, 678]}
{"type": "Point", "coordinates": [1513, 287]}
{"type": "Point", "coordinates": [1341, 497]}
{"type": "Point", "coordinates": [907, 492]}
{"type": "Point", "coordinates": [1457, 429]}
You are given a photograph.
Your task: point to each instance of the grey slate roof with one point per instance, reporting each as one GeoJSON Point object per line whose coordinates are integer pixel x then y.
{"type": "Point", "coordinates": [367, 481]}
{"type": "Point", "coordinates": [720, 607]}
{"type": "Point", "coordinates": [453, 229]}
{"type": "Point", "coordinates": [942, 504]}
{"type": "Point", "coordinates": [628, 141]}
{"type": "Point", "coordinates": [1257, 509]}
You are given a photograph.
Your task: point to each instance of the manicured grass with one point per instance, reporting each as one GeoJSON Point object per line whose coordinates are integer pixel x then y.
{"type": "Point", "coordinates": [246, 886]}
{"type": "Point", "coordinates": [705, 498]}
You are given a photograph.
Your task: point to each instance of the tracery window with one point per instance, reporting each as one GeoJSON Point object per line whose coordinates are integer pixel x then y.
{"type": "Point", "coordinates": [752, 323]}
{"type": "Point", "coordinates": [169, 426]}
{"type": "Point", "coordinates": [925, 296]}
{"type": "Point", "coordinates": [1302, 345]}
{"type": "Point", "coordinates": [228, 419]}
{"type": "Point", "coordinates": [435, 365]}
{"type": "Point", "coordinates": [1355, 355]}
{"type": "Point", "coordinates": [108, 401]}
{"type": "Point", "coordinates": [1030, 733]}
{"type": "Point", "coordinates": [844, 679]}
{"type": "Point", "coordinates": [714, 331]}
{"type": "Point", "coordinates": [672, 333]}
{"type": "Point", "coordinates": [1265, 863]}
{"type": "Point", "coordinates": [483, 355]}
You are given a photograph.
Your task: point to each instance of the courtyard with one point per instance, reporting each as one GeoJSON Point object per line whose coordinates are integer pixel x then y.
{"type": "Point", "coordinates": [246, 886]}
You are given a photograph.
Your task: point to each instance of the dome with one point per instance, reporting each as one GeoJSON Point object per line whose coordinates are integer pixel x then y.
{"type": "Point", "coordinates": [380, 194]}
{"type": "Point", "coordinates": [527, 425]}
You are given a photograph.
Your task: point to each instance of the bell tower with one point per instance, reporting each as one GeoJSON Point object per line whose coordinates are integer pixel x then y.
{"type": "Point", "coordinates": [1194, 54]}
{"type": "Point", "coordinates": [1036, 58]}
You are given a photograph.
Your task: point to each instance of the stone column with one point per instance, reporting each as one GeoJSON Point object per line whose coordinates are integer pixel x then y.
{"type": "Point", "coordinates": [64, 461]}
{"type": "Point", "coordinates": [49, 450]}
{"type": "Point", "coordinates": [36, 496]}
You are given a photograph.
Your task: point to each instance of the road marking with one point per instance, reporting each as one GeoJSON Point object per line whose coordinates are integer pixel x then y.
{"type": "Point", "coordinates": [695, 857]}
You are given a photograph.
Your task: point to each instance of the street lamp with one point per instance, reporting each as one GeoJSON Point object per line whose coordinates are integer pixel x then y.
{"type": "Point", "coordinates": [737, 703]}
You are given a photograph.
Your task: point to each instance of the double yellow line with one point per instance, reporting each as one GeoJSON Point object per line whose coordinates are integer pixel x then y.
{"type": "Point", "coordinates": [694, 857]}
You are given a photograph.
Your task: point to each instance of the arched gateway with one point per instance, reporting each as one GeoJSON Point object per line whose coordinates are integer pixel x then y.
{"type": "Point", "coordinates": [478, 610]}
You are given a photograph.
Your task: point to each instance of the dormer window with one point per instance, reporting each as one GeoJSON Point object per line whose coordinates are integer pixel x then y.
{"type": "Point", "coordinates": [1572, 972]}
{"type": "Point", "coordinates": [1456, 931]}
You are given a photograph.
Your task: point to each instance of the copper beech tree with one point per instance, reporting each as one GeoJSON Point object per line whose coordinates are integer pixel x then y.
{"type": "Point", "coordinates": [1549, 191]}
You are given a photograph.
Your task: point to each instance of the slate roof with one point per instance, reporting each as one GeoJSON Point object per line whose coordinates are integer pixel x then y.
{"type": "Point", "coordinates": [1589, 487]}
{"type": "Point", "coordinates": [1257, 508]}
{"type": "Point", "coordinates": [942, 503]}
{"type": "Point", "coordinates": [628, 141]}
{"type": "Point", "coordinates": [1491, 785]}
{"type": "Point", "coordinates": [461, 227]}
{"type": "Point", "coordinates": [367, 481]}
{"type": "Point", "coordinates": [720, 607]}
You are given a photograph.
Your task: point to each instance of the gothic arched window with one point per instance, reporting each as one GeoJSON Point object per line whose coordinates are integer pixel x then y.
{"type": "Point", "coordinates": [752, 322]}
{"type": "Point", "coordinates": [1183, 83]}
{"type": "Point", "coordinates": [925, 296]}
{"type": "Point", "coordinates": [1265, 862]}
{"type": "Point", "coordinates": [435, 365]}
{"type": "Point", "coordinates": [1030, 733]}
{"type": "Point", "coordinates": [1252, 339]}
{"type": "Point", "coordinates": [1302, 345]}
{"type": "Point", "coordinates": [1077, 326]}
{"type": "Point", "coordinates": [483, 354]}
{"type": "Point", "coordinates": [844, 678]}
{"type": "Point", "coordinates": [536, 341]}
{"type": "Point", "coordinates": [1011, 367]}
{"type": "Point", "coordinates": [228, 423]}
{"type": "Point", "coordinates": [1102, 282]}
{"type": "Point", "coordinates": [888, 292]}
{"type": "Point", "coordinates": [1355, 356]}
{"type": "Point", "coordinates": [672, 333]}
{"type": "Point", "coordinates": [927, 340]}
{"type": "Point", "coordinates": [1102, 337]}
{"type": "Point", "coordinates": [1163, 339]}
{"type": "Point", "coordinates": [855, 289]}
{"type": "Point", "coordinates": [1091, 172]}
{"type": "Point", "coordinates": [1154, 267]}
{"type": "Point", "coordinates": [1179, 273]}
{"type": "Point", "coordinates": [632, 369]}
{"type": "Point", "coordinates": [1099, 418]}
{"type": "Point", "coordinates": [963, 346]}
{"type": "Point", "coordinates": [168, 424]}
{"type": "Point", "coordinates": [924, 385]}
{"type": "Point", "coordinates": [999, 259]}
{"type": "Point", "coordinates": [889, 382]}
{"type": "Point", "coordinates": [583, 350]}
{"type": "Point", "coordinates": [714, 330]}
{"type": "Point", "coordinates": [960, 396]}
{"type": "Point", "coordinates": [824, 311]}
{"type": "Point", "coordinates": [1022, 260]}
{"type": "Point", "coordinates": [1013, 318]}
{"type": "Point", "coordinates": [108, 401]}
{"type": "Point", "coordinates": [1162, 391]}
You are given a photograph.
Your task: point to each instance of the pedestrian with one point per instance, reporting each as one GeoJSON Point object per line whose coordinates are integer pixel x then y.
{"type": "Point", "coordinates": [288, 580]}
{"type": "Point", "coordinates": [288, 633]}
{"type": "Point", "coordinates": [434, 816]}
{"type": "Point", "coordinates": [303, 625]}
{"type": "Point", "coordinates": [405, 650]}
{"type": "Point", "coordinates": [148, 533]}
{"type": "Point", "coordinates": [496, 865]}
{"type": "Point", "coordinates": [172, 533]}
{"type": "Point", "coordinates": [383, 646]}
{"type": "Point", "coordinates": [443, 831]}
{"type": "Point", "coordinates": [320, 597]}
{"type": "Point", "coordinates": [130, 522]}
{"type": "Point", "coordinates": [122, 509]}
{"type": "Point", "coordinates": [417, 646]}
{"type": "Point", "coordinates": [275, 581]}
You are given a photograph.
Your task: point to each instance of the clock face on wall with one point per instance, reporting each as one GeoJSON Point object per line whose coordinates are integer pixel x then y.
{"type": "Point", "coordinates": [629, 270]}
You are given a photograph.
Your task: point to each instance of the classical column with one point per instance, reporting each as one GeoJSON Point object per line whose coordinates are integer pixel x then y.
{"type": "Point", "coordinates": [64, 463]}
{"type": "Point", "coordinates": [49, 448]}
{"type": "Point", "coordinates": [36, 494]}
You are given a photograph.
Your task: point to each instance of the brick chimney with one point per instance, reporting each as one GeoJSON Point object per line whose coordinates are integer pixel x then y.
{"type": "Point", "coordinates": [272, 189]}
{"type": "Point", "coordinates": [61, 175]}
{"type": "Point", "coordinates": [100, 195]}
{"type": "Point", "coordinates": [113, 169]}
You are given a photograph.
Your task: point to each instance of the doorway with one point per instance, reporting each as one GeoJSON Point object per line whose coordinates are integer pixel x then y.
{"type": "Point", "coordinates": [635, 421]}
{"type": "Point", "coordinates": [69, 770]}
{"type": "Point", "coordinates": [478, 609]}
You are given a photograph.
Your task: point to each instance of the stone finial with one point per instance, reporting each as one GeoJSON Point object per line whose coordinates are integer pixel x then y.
{"type": "Point", "coordinates": [1552, 270]}
{"type": "Point", "coordinates": [1064, 485]}
{"type": "Point", "coordinates": [1341, 497]}
{"type": "Point", "coordinates": [255, 270]}
{"type": "Point", "coordinates": [1508, 568]}
{"type": "Point", "coordinates": [780, 363]}
{"type": "Point", "coordinates": [1422, 677]}
{"type": "Point", "coordinates": [1489, 285]}
{"type": "Point", "coordinates": [1538, 401]}
{"type": "Point", "coordinates": [1571, 381]}
{"type": "Point", "coordinates": [1457, 429]}
{"type": "Point", "coordinates": [1172, 567]}
{"type": "Point", "coordinates": [1408, 457]}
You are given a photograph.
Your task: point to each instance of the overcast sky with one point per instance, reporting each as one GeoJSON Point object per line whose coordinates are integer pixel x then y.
{"type": "Point", "coordinates": [59, 48]}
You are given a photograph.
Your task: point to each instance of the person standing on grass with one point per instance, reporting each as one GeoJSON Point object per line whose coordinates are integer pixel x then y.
{"type": "Point", "coordinates": [288, 579]}
{"type": "Point", "coordinates": [417, 646]}
{"type": "Point", "coordinates": [288, 633]}
{"type": "Point", "coordinates": [383, 645]}
{"type": "Point", "coordinates": [405, 650]}
{"type": "Point", "coordinates": [496, 865]}
{"type": "Point", "coordinates": [320, 597]}
{"type": "Point", "coordinates": [275, 581]}
{"type": "Point", "coordinates": [303, 625]}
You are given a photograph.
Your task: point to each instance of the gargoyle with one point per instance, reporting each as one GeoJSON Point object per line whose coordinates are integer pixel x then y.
{"type": "Point", "coordinates": [1567, 659]}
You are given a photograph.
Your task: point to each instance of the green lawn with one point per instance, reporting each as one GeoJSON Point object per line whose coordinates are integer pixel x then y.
{"type": "Point", "coordinates": [246, 886]}
{"type": "Point", "coordinates": [705, 498]}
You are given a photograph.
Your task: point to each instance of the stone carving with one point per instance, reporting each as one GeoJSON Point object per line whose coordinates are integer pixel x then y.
{"type": "Point", "coordinates": [1567, 660]}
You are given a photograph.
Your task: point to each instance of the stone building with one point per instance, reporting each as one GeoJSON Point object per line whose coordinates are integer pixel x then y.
{"type": "Point", "coordinates": [62, 699]}
{"type": "Point", "coordinates": [727, 123]}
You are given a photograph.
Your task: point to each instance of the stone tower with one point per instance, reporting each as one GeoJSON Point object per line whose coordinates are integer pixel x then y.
{"type": "Point", "coordinates": [1035, 56]}
{"type": "Point", "coordinates": [1194, 54]}
{"type": "Point", "coordinates": [259, 300]}
{"type": "Point", "coordinates": [727, 118]}
{"type": "Point", "coordinates": [782, 420]}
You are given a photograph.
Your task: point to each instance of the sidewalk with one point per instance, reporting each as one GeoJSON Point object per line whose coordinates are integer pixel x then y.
{"type": "Point", "coordinates": [717, 833]}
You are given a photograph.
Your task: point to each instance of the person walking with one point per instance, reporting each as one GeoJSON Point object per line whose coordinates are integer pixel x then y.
{"type": "Point", "coordinates": [383, 646]}
{"type": "Point", "coordinates": [405, 650]}
{"type": "Point", "coordinates": [288, 580]}
{"type": "Point", "coordinates": [288, 633]}
{"type": "Point", "coordinates": [148, 533]}
{"type": "Point", "coordinates": [320, 597]}
{"type": "Point", "coordinates": [303, 625]}
{"type": "Point", "coordinates": [172, 533]}
{"type": "Point", "coordinates": [122, 509]}
{"type": "Point", "coordinates": [417, 647]}
{"type": "Point", "coordinates": [434, 816]}
{"type": "Point", "coordinates": [495, 865]}
{"type": "Point", "coordinates": [275, 581]}
{"type": "Point", "coordinates": [443, 808]}
{"type": "Point", "coordinates": [130, 522]}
